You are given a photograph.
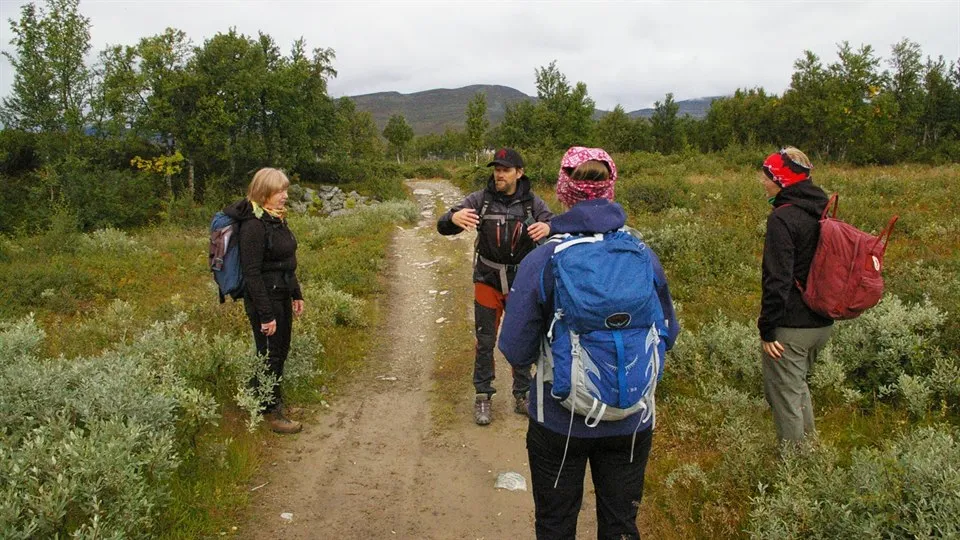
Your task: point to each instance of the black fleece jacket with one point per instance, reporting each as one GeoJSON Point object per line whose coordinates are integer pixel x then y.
{"type": "Point", "coordinates": [793, 229]}
{"type": "Point", "coordinates": [268, 258]}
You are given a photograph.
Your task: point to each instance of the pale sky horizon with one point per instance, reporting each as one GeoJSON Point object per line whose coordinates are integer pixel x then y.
{"type": "Point", "coordinates": [627, 52]}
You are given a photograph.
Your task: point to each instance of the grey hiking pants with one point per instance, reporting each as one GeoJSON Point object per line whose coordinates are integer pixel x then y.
{"type": "Point", "coordinates": [785, 380]}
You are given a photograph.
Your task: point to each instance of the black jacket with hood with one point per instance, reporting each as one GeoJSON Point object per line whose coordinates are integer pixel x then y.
{"type": "Point", "coordinates": [793, 229]}
{"type": "Point", "coordinates": [268, 258]}
{"type": "Point", "coordinates": [510, 233]}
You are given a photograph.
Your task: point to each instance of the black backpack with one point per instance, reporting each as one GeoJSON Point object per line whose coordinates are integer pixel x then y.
{"type": "Point", "coordinates": [503, 238]}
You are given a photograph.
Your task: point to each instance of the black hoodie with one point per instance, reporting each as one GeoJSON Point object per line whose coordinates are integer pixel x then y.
{"type": "Point", "coordinates": [268, 258]}
{"type": "Point", "coordinates": [793, 229]}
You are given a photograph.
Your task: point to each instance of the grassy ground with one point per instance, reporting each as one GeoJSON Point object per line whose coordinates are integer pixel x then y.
{"type": "Point", "coordinates": [97, 291]}
{"type": "Point", "coordinates": [715, 469]}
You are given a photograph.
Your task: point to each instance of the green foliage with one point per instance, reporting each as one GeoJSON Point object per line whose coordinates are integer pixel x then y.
{"type": "Point", "coordinates": [665, 128]}
{"type": "Point", "coordinates": [427, 170]}
{"type": "Point", "coordinates": [398, 133]}
{"type": "Point", "coordinates": [907, 489]}
{"type": "Point", "coordinates": [89, 445]}
{"type": "Point", "coordinates": [51, 81]}
{"type": "Point", "coordinates": [477, 124]}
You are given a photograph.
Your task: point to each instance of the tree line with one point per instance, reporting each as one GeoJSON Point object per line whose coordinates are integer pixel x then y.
{"type": "Point", "coordinates": [166, 119]}
{"type": "Point", "coordinates": [850, 110]}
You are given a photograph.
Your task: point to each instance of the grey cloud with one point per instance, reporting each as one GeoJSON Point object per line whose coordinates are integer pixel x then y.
{"type": "Point", "coordinates": [627, 52]}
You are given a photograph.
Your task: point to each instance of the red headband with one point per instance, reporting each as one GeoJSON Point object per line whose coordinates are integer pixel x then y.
{"type": "Point", "coordinates": [782, 171]}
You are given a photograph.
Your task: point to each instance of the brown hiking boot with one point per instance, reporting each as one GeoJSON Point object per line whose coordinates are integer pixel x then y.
{"type": "Point", "coordinates": [482, 410]}
{"type": "Point", "coordinates": [520, 407]}
{"type": "Point", "coordinates": [281, 424]}
{"type": "Point", "coordinates": [292, 412]}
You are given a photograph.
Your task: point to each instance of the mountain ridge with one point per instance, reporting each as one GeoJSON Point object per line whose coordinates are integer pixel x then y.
{"type": "Point", "coordinates": [438, 109]}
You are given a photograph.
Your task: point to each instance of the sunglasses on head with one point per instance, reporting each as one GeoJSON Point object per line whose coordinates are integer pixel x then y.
{"type": "Point", "coordinates": [791, 164]}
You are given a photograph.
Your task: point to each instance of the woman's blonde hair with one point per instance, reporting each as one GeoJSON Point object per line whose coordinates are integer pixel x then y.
{"type": "Point", "coordinates": [592, 170]}
{"type": "Point", "coordinates": [265, 183]}
{"type": "Point", "coordinates": [797, 157]}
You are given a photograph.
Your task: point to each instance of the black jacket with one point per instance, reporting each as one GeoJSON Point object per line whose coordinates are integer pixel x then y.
{"type": "Point", "coordinates": [793, 229]}
{"type": "Point", "coordinates": [515, 241]}
{"type": "Point", "coordinates": [268, 258]}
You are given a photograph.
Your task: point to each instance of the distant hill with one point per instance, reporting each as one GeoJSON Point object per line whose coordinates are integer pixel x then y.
{"type": "Point", "coordinates": [433, 111]}
{"type": "Point", "coordinates": [696, 108]}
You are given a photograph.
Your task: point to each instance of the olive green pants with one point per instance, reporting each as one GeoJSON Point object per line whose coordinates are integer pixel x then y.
{"type": "Point", "coordinates": [785, 380]}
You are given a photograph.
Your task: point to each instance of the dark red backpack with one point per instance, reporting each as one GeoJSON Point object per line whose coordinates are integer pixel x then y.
{"type": "Point", "coordinates": [845, 275]}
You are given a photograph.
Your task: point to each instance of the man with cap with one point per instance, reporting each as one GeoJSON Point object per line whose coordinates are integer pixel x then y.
{"type": "Point", "coordinates": [509, 220]}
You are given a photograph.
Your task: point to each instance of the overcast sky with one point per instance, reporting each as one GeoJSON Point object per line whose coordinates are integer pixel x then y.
{"type": "Point", "coordinates": [628, 52]}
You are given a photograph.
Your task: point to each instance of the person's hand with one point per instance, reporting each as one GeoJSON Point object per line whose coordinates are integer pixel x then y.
{"type": "Point", "coordinates": [269, 329]}
{"type": "Point", "coordinates": [298, 307]}
{"type": "Point", "coordinates": [772, 348]}
{"type": "Point", "coordinates": [466, 219]}
{"type": "Point", "coordinates": [538, 231]}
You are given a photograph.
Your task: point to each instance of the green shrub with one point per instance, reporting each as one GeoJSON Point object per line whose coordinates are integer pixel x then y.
{"type": "Point", "coordinates": [110, 240]}
{"type": "Point", "coordinates": [908, 489]}
{"type": "Point", "coordinates": [88, 445]}
{"type": "Point", "coordinates": [650, 197]}
{"type": "Point", "coordinates": [887, 342]}
{"type": "Point", "coordinates": [379, 179]}
{"type": "Point", "coordinates": [426, 170]}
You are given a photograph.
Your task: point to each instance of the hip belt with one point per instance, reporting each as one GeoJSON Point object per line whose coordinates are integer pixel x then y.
{"type": "Point", "coordinates": [502, 269]}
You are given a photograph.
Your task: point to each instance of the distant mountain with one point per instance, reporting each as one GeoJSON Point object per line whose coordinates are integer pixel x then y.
{"type": "Point", "coordinates": [433, 111]}
{"type": "Point", "coordinates": [696, 108]}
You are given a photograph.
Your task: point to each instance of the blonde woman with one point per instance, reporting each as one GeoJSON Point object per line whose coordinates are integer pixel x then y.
{"type": "Point", "coordinates": [271, 296]}
{"type": "Point", "coordinates": [791, 334]}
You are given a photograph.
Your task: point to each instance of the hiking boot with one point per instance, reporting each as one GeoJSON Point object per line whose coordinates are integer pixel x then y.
{"type": "Point", "coordinates": [522, 402]}
{"type": "Point", "coordinates": [292, 412]}
{"type": "Point", "coordinates": [281, 424]}
{"type": "Point", "coordinates": [482, 410]}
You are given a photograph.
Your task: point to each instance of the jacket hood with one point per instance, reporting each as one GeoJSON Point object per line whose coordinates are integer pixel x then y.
{"type": "Point", "coordinates": [803, 195]}
{"type": "Point", "coordinates": [522, 193]}
{"type": "Point", "coordinates": [242, 210]}
{"type": "Point", "coordinates": [593, 216]}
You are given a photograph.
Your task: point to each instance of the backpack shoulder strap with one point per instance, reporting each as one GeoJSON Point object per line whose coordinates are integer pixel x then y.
{"type": "Point", "coordinates": [485, 205]}
{"type": "Point", "coordinates": [528, 211]}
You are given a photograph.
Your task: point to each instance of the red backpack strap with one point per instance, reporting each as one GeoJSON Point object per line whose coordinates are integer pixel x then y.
{"type": "Point", "coordinates": [835, 202]}
{"type": "Point", "coordinates": [884, 237]}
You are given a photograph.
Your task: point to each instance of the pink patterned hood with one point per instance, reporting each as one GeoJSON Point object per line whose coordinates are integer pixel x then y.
{"type": "Point", "coordinates": [570, 191]}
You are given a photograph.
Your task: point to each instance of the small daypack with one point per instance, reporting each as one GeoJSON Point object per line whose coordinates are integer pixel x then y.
{"type": "Point", "coordinates": [845, 275]}
{"type": "Point", "coordinates": [604, 351]}
{"type": "Point", "coordinates": [224, 256]}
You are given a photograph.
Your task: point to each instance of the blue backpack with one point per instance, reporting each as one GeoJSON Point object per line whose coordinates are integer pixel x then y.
{"type": "Point", "coordinates": [604, 352]}
{"type": "Point", "coordinates": [225, 256]}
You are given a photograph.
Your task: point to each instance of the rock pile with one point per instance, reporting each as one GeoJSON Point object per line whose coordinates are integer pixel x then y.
{"type": "Point", "coordinates": [325, 200]}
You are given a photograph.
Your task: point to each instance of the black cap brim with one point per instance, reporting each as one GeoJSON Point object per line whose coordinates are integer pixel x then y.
{"type": "Point", "coordinates": [503, 163]}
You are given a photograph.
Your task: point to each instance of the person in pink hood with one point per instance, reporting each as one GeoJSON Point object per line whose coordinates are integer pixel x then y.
{"type": "Point", "coordinates": [559, 443]}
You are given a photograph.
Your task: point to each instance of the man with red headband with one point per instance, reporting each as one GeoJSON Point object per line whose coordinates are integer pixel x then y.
{"type": "Point", "coordinates": [791, 334]}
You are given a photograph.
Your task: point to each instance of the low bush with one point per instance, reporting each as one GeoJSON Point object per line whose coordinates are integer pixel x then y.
{"type": "Point", "coordinates": [907, 489]}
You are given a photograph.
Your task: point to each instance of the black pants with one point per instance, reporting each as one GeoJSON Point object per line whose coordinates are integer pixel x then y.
{"type": "Point", "coordinates": [487, 312]}
{"type": "Point", "coordinates": [618, 482]}
{"type": "Point", "coordinates": [275, 347]}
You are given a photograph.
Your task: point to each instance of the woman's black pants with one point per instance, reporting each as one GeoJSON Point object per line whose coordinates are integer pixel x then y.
{"type": "Point", "coordinates": [617, 481]}
{"type": "Point", "coordinates": [276, 347]}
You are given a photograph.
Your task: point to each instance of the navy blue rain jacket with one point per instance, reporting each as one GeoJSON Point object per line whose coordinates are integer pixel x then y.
{"type": "Point", "coordinates": [526, 319]}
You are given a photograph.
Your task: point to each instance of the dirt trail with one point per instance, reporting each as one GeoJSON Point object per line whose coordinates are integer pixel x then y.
{"type": "Point", "coordinates": [374, 465]}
